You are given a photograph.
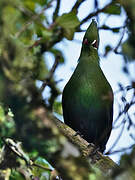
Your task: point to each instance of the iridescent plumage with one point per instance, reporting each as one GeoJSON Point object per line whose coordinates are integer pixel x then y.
{"type": "Point", "coordinates": [87, 97]}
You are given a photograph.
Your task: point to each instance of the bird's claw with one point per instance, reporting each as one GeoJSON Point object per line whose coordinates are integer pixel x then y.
{"type": "Point", "coordinates": [95, 149]}
{"type": "Point", "coordinates": [78, 133]}
{"type": "Point", "coordinates": [91, 145]}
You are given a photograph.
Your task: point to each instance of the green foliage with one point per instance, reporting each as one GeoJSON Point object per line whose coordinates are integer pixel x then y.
{"type": "Point", "coordinates": [129, 45]}
{"type": "Point", "coordinates": [25, 167]}
{"type": "Point", "coordinates": [108, 48]}
{"type": "Point", "coordinates": [41, 172]}
{"type": "Point", "coordinates": [26, 34]}
{"type": "Point", "coordinates": [128, 50]}
{"type": "Point", "coordinates": [68, 22]}
{"type": "Point", "coordinates": [7, 124]}
{"type": "Point", "coordinates": [2, 114]}
{"type": "Point", "coordinates": [58, 54]}
{"type": "Point", "coordinates": [114, 9]}
{"type": "Point", "coordinates": [96, 174]}
{"type": "Point", "coordinates": [15, 175]}
{"type": "Point", "coordinates": [115, 30]}
{"type": "Point", "coordinates": [57, 107]}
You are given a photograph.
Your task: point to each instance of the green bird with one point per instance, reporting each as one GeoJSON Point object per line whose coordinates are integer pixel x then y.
{"type": "Point", "coordinates": [87, 98]}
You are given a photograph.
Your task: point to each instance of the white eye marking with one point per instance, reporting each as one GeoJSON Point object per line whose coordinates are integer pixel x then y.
{"type": "Point", "coordinates": [95, 44]}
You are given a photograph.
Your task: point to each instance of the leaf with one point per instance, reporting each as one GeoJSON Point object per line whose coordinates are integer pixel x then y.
{"type": "Point", "coordinates": [46, 34]}
{"type": "Point", "coordinates": [59, 54]}
{"type": "Point", "coordinates": [128, 50]}
{"type": "Point", "coordinates": [42, 70]}
{"type": "Point", "coordinates": [69, 33]}
{"type": "Point", "coordinates": [113, 9]}
{"type": "Point", "coordinates": [16, 176]}
{"type": "Point", "coordinates": [108, 48]}
{"type": "Point", "coordinates": [68, 20]}
{"type": "Point", "coordinates": [115, 30]}
{"type": "Point", "coordinates": [17, 149]}
{"type": "Point", "coordinates": [39, 171]}
{"type": "Point", "coordinates": [57, 107]}
{"type": "Point", "coordinates": [10, 113]}
{"type": "Point", "coordinates": [2, 114]}
{"type": "Point", "coordinates": [30, 4]}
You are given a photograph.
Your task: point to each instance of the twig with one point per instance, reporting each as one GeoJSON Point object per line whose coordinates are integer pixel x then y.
{"type": "Point", "coordinates": [120, 150]}
{"type": "Point", "coordinates": [127, 105]}
{"type": "Point", "coordinates": [118, 126]}
{"type": "Point", "coordinates": [55, 14]}
{"type": "Point", "coordinates": [77, 5]}
{"type": "Point", "coordinates": [119, 115]}
{"type": "Point", "coordinates": [133, 138]}
{"type": "Point", "coordinates": [104, 27]}
{"type": "Point", "coordinates": [127, 88]}
{"type": "Point", "coordinates": [116, 141]}
{"type": "Point", "coordinates": [33, 18]}
{"type": "Point", "coordinates": [40, 166]}
{"type": "Point", "coordinates": [120, 41]}
{"type": "Point", "coordinates": [25, 11]}
{"type": "Point", "coordinates": [36, 43]}
{"type": "Point", "coordinates": [17, 150]}
{"type": "Point", "coordinates": [97, 12]}
{"type": "Point", "coordinates": [47, 79]}
{"type": "Point", "coordinates": [125, 110]}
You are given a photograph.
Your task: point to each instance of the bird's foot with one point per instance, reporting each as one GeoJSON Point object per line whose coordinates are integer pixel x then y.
{"type": "Point", "coordinates": [94, 156]}
{"type": "Point", "coordinates": [95, 149]}
{"type": "Point", "coordinates": [91, 145]}
{"type": "Point", "coordinates": [78, 133]}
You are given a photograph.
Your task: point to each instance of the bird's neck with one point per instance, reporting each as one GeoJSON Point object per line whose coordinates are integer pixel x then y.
{"type": "Point", "coordinates": [89, 56]}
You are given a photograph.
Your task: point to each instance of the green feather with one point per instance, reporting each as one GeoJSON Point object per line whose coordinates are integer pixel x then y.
{"type": "Point", "coordinates": [87, 98]}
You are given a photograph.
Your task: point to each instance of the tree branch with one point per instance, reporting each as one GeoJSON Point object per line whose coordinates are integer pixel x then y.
{"type": "Point", "coordinates": [105, 164]}
{"type": "Point", "coordinates": [47, 79]}
{"type": "Point", "coordinates": [55, 14]}
{"type": "Point", "coordinates": [97, 12]}
{"type": "Point", "coordinates": [33, 18]}
{"type": "Point", "coordinates": [77, 5]}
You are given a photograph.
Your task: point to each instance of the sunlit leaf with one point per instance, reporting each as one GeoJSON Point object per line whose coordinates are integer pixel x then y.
{"type": "Point", "coordinates": [16, 175]}
{"type": "Point", "coordinates": [57, 107]}
{"type": "Point", "coordinates": [40, 170]}
{"type": "Point", "coordinates": [10, 113]}
{"type": "Point", "coordinates": [30, 4]}
{"type": "Point", "coordinates": [2, 114]}
{"type": "Point", "coordinates": [69, 33]}
{"type": "Point", "coordinates": [68, 20]}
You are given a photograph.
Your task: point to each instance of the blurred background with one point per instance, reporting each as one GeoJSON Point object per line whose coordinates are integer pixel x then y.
{"type": "Point", "coordinates": [40, 44]}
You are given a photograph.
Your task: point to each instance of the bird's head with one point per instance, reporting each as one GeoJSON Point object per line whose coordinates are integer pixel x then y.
{"type": "Point", "coordinates": [91, 37]}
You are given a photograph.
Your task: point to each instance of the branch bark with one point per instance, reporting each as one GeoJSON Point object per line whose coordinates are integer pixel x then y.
{"type": "Point", "coordinates": [81, 154]}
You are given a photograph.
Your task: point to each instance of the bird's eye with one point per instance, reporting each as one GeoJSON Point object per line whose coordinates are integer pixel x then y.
{"type": "Point", "coordinates": [95, 44]}
{"type": "Point", "coordinates": [86, 41]}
